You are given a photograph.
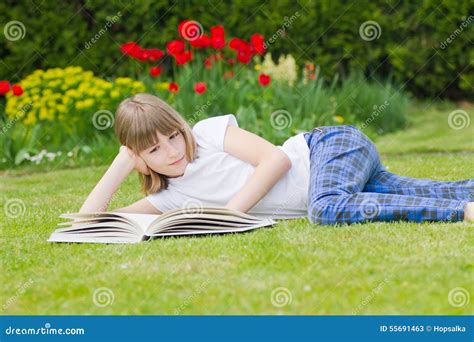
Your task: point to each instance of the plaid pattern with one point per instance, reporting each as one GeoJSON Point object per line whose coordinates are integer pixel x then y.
{"type": "Point", "coordinates": [349, 184]}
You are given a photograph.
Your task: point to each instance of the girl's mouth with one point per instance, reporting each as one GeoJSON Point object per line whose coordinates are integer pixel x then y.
{"type": "Point", "coordinates": [176, 162]}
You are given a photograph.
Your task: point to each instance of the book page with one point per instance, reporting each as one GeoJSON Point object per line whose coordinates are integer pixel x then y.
{"type": "Point", "coordinates": [138, 221]}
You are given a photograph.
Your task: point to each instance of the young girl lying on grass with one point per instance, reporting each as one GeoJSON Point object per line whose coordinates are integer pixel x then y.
{"type": "Point", "coordinates": [332, 174]}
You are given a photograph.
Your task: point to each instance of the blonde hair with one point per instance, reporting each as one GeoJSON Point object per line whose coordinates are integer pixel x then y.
{"type": "Point", "coordinates": [137, 120]}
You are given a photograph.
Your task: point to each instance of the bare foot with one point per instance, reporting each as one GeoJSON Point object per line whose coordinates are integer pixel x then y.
{"type": "Point", "coordinates": [469, 212]}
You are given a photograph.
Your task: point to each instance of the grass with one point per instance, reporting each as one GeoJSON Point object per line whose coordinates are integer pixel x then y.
{"type": "Point", "coordinates": [375, 268]}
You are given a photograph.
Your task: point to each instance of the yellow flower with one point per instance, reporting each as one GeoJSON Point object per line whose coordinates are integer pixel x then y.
{"type": "Point", "coordinates": [339, 119]}
{"type": "Point", "coordinates": [62, 94]}
{"type": "Point", "coordinates": [258, 67]}
{"type": "Point", "coordinates": [43, 114]}
{"type": "Point", "coordinates": [61, 108]}
{"type": "Point", "coordinates": [88, 103]}
{"type": "Point", "coordinates": [123, 81]}
{"type": "Point", "coordinates": [66, 100]}
{"type": "Point", "coordinates": [30, 119]}
{"type": "Point", "coordinates": [162, 85]}
{"type": "Point", "coordinates": [79, 105]}
{"type": "Point", "coordinates": [54, 83]}
{"type": "Point", "coordinates": [138, 86]}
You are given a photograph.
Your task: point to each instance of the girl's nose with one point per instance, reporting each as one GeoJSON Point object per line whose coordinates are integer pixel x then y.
{"type": "Point", "coordinates": [172, 151]}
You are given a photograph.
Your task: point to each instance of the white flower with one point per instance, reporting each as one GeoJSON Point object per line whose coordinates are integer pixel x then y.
{"type": "Point", "coordinates": [285, 70]}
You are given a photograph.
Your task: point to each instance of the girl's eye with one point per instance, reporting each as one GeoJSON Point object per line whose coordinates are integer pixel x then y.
{"type": "Point", "coordinates": [155, 149]}
{"type": "Point", "coordinates": [174, 135]}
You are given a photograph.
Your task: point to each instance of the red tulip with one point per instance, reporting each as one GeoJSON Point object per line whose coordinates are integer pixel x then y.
{"type": "Point", "coordinates": [231, 61]}
{"type": "Point", "coordinates": [200, 87]}
{"type": "Point", "coordinates": [143, 55]}
{"type": "Point", "coordinates": [218, 37]}
{"type": "Point", "coordinates": [244, 50]}
{"type": "Point", "coordinates": [245, 55]}
{"type": "Point", "coordinates": [155, 71]}
{"type": "Point", "coordinates": [264, 79]}
{"type": "Point", "coordinates": [236, 44]}
{"type": "Point", "coordinates": [129, 48]}
{"type": "Point", "coordinates": [257, 41]}
{"type": "Point", "coordinates": [173, 87]}
{"type": "Point", "coordinates": [202, 42]}
{"type": "Point", "coordinates": [207, 63]}
{"type": "Point", "coordinates": [175, 47]}
{"type": "Point", "coordinates": [135, 51]}
{"type": "Point", "coordinates": [17, 90]}
{"type": "Point", "coordinates": [184, 57]}
{"type": "Point", "coordinates": [138, 53]}
{"type": "Point", "coordinates": [155, 54]}
{"type": "Point", "coordinates": [4, 87]}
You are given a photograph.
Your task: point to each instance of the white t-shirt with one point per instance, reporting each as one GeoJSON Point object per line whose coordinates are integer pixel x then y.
{"type": "Point", "coordinates": [215, 176]}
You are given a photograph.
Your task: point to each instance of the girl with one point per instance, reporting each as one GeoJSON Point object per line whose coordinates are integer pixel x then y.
{"type": "Point", "coordinates": [332, 174]}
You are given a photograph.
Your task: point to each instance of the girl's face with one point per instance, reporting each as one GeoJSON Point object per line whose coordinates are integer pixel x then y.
{"type": "Point", "coordinates": [168, 157]}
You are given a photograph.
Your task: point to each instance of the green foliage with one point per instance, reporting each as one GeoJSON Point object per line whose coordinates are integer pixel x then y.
{"type": "Point", "coordinates": [326, 32]}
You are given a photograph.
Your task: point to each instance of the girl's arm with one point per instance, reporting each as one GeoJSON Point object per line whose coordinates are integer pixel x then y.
{"type": "Point", "coordinates": [270, 161]}
{"type": "Point", "coordinates": [102, 194]}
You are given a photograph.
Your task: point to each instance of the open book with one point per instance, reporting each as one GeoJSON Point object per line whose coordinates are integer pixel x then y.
{"type": "Point", "coordinates": [115, 227]}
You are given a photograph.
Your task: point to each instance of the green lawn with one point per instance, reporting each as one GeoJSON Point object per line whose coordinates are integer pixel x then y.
{"type": "Point", "coordinates": [293, 268]}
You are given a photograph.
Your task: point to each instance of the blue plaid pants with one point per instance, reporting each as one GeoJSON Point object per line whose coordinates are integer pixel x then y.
{"type": "Point", "coordinates": [349, 184]}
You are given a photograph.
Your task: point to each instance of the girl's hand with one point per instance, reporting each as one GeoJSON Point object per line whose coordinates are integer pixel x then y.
{"type": "Point", "coordinates": [139, 163]}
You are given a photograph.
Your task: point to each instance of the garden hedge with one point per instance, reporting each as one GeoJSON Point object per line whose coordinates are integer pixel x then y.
{"type": "Point", "coordinates": [424, 45]}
